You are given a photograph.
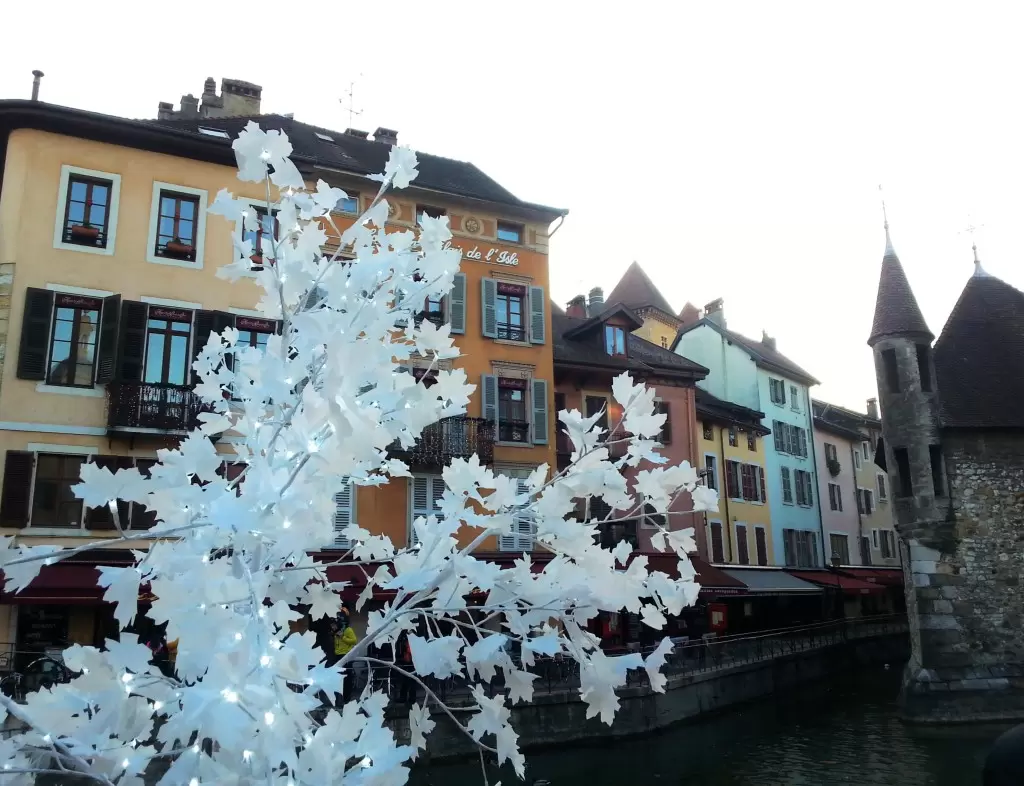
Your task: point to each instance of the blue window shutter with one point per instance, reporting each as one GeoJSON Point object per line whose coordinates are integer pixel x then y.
{"type": "Point", "coordinates": [537, 302]}
{"type": "Point", "coordinates": [457, 304]}
{"type": "Point", "coordinates": [539, 401]}
{"type": "Point", "coordinates": [780, 445]}
{"type": "Point", "coordinates": [489, 307]}
{"type": "Point", "coordinates": [489, 400]}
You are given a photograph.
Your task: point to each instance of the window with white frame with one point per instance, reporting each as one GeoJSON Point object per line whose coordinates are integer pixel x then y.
{"type": "Point", "coordinates": [831, 453]}
{"type": "Point", "coordinates": [835, 496]}
{"type": "Point", "coordinates": [804, 494]}
{"type": "Point", "coordinates": [856, 459]}
{"type": "Point", "coordinates": [742, 547]}
{"type": "Point", "coordinates": [888, 544]}
{"type": "Point", "coordinates": [425, 492]}
{"type": "Point", "coordinates": [865, 501]}
{"type": "Point", "coordinates": [789, 439]}
{"type": "Point", "coordinates": [874, 538]}
{"type": "Point", "coordinates": [777, 391]}
{"type": "Point", "coordinates": [839, 545]}
{"type": "Point", "coordinates": [177, 225]}
{"type": "Point", "coordinates": [87, 210]}
{"type": "Point", "coordinates": [716, 544]}
{"type": "Point", "coordinates": [711, 470]}
{"type": "Point", "coordinates": [344, 513]}
{"type": "Point", "coordinates": [865, 449]}
{"type": "Point", "coordinates": [883, 494]}
{"type": "Point", "coordinates": [520, 539]}
{"type": "Point", "coordinates": [787, 486]}
{"type": "Point", "coordinates": [794, 398]}
{"type": "Point", "coordinates": [800, 548]}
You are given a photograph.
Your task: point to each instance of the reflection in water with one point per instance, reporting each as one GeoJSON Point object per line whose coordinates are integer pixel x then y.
{"type": "Point", "coordinates": [825, 733]}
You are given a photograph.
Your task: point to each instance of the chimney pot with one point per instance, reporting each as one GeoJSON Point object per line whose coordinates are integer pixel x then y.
{"type": "Point", "coordinates": [37, 77]}
{"type": "Point", "coordinates": [386, 135]}
{"type": "Point", "coordinates": [596, 300]}
{"type": "Point", "coordinates": [357, 133]}
{"type": "Point", "coordinates": [767, 340]}
{"type": "Point", "coordinates": [715, 311]}
{"type": "Point", "coordinates": [873, 408]}
{"type": "Point", "coordinates": [577, 307]}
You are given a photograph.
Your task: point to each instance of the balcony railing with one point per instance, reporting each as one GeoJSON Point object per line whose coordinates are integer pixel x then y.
{"type": "Point", "coordinates": [145, 406]}
{"type": "Point", "coordinates": [451, 438]}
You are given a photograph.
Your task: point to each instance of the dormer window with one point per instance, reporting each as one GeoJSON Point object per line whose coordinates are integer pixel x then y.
{"type": "Point", "coordinates": [615, 340]}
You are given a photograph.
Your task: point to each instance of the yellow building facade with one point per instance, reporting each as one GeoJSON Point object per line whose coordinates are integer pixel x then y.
{"type": "Point", "coordinates": [108, 288]}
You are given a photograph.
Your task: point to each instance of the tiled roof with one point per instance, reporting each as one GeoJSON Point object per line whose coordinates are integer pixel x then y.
{"type": "Point", "coordinates": [643, 357]}
{"type": "Point", "coordinates": [636, 290]}
{"type": "Point", "coordinates": [713, 408]}
{"type": "Point", "coordinates": [843, 421]}
{"type": "Point", "coordinates": [896, 309]}
{"type": "Point", "coordinates": [979, 358]}
{"type": "Point", "coordinates": [366, 156]}
{"type": "Point", "coordinates": [762, 354]}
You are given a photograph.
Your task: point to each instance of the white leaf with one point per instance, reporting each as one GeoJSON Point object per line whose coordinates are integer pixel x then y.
{"type": "Point", "coordinates": [655, 662]}
{"type": "Point", "coordinates": [420, 725]}
{"type": "Point", "coordinates": [439, 657]}
{"type": "Point", "coordinates": [122, 590]}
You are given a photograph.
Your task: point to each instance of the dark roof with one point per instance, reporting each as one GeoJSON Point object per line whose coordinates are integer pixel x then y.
{"type": "Point", "coordinates": [823, 424]}
{"type": "Point", "coordinates": [896, 309]}
{"type": "Point", "coordinates": [643, 357]}
{"type": "Point", "coordinates": [713, 408]}
{"type": "Point", "coordinates": [842, 421]}
{"type": "Point", "coordinates": [979, 358]}
{"type": "Point", "coordinates": [765, 356]}
{"type": "Point", "coordinates": [181, 138]}
{"type": "Point", "coordinates": [636, 290]}
{"type": "Point", "coordinates": [366, 157]}
{"type": "Point", "coordinates": [614, 309]}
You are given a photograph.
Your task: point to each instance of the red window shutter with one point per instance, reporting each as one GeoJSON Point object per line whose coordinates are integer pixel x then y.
{"type": "Point", "coordinates": [16, 499]}
{"type": "Point", "coordinates": [760, 476]}
{"type": "Point", "coordinates": [731, 479]}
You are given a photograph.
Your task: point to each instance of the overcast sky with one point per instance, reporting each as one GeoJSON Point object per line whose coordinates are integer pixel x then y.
{"type": "Point", "coordinates": [734, 150]}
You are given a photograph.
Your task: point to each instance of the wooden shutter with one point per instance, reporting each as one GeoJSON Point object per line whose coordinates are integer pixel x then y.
{"type": "Point", "coordinates": [101, 516]}
{"type": "Point", "coordinates": [539, 402]}
{"type": "Point", "coordinates": [16, 497]}
{"type": "Point", "coordinates": [457, 304]}
{"type": "Point", "coordinates": [106, 353]}
{"type": "Point", "coordinates": [205, 324]}
{"type": "Point", "coordinates": [538, 333]}
{"type": "Point", "coordinates": [782, 392]}
{"type": "Point", "coordinates": [787, 488]}
{"type": "Point", "coordinates": [760, 482]}
{"type": "Point", "coordinates": [489, 306]}
{"type": "Point", "coordinates": [802, 432]}
{"type": "Point", "coordinates": [762, 546]}
{"type": "Point", "coordinates": [789, 546]}
{"type": "Point", "coordinates": [742, 547]}
{"type": "Point", "coordinates": [717, 549]}
{"type": "Point", "coordinates": [35, 333]}
{"type": "Point", "coordinates": [489, 400]}
{"type": "Point", "coordinates": [732, 480]}
{"type": "Point", "coordinates": [780, 446]}
{"type": "Point", "coordinates": [131, 341]}
{"type": "Point", "coordinates": [344, 513]}
{"type": "Point", "coordinates": [663, 408]}
{"type": "Point", "coordinates": [142, 516]}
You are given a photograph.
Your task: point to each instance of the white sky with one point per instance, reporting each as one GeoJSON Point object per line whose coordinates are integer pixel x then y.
{"type": "Point", "coordinates": [734, 150]}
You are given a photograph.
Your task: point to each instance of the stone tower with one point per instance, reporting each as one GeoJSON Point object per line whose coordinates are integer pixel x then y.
{"type": "Point", "coordinates": [956, 489]}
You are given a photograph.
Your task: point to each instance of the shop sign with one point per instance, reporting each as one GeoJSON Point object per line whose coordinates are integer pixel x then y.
{"type": "Point", "coordinates": [492, 256]}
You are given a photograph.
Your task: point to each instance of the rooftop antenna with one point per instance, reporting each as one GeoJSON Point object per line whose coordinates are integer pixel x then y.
{"type": "Point", "coordinates": [885, 222]}
{"type": "Point", "coordinates": [349, 99]}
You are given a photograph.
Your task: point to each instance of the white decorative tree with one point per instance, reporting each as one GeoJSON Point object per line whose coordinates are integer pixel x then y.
{"type": "Point", "coordinates": [314, 412]}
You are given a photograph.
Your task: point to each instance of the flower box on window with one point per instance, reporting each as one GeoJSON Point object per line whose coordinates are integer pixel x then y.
{"type": "Point", "coordinates": [84, 232]}
{"type": "Point", "coordinates": [833, 466]}
{"type": "Point", "coordinates": [179, 250]}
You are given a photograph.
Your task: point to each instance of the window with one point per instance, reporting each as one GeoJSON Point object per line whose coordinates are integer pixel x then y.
{"type": "Point", "coordinates": [614, 340]}
{"type": "Point", "coordinates": [715, 540]}
{"type": "Point", "coordinates": [521, 538]}
{"type": "Point", "coordinates": [261, 236]}
{"type": "Point", "coordinates": [789, 439]}
{"type": "Point", "coordinates": [787, 487]}
{"type": "Point", "coordinates": [802, 481]}
{"type": "Point", "coordinates": [73, 337]}
{"type": "Point", "coordinates": [177, 226]}
{"type": "Point", "coordinates": [344, 513]}
{"type": "Point", "coordinates": [801, 548]}
{"type": "Point", "coordinates": [835, 496]}
{"type": "Point", "coordinates": [882, 493]}
{"type": "Point", "coordinates": [664, 342]}
{"type": "Point", "coordinates": [663, 408]}
{"type": "Point", "coordinates": [831, 454]}
{"type": "Point", "coordinates": [732, 437]}
{"type": "Point", "coordinates": [935, 457]}
{"type": "Point", "coordinates": [865, 550]}
{"type": "Point", "coordinates": [218, 132]}
{"type": "Point", "coordinates": [903, 472]}
{"type": "Point", "coordinates": [751, 441]}
{"type": "Point", "coordinates": [431, 210]}
{"type": "Point", "coordinates": [513, 422]}
{"type": "Point", "coordinates": [89, 206]}
{"type": "Point", "coordinates": [888, 544]}
{"type": "Point", "coordinates": [742, 548]}
{"type": "Point", "coordinates": [53, 502]}
{"type": "Point", "coordinates": [924, 366]}
{"type": "Point", "coordinates": [425, 492]}
{"type": "Point", "coordinates": [892, 372]}
{"type": "Point", "coordinates": [840, 547]}
{"type": "Point", "coordinates": [752, 482]}
{"type": "Point", "coordinates": [856, 459]}
{"type": "Point", "coordinates": [168, 331]}
{"type": "Point", "coordinates": [761, 542]}
{"type": "Point", "coordinates": [865, 501]}
{"type": "Point", "coordinates": [794, 400]}
{"type": "Point", "coordinates": [510, 233]}
{"type": "Point", "coordinates": [594, 404]}
{"type": "Point", "coordinates": [777, 391]}
{"type": "Point", "coordinates": [874, 536]}
{"type": "Point", "coordinates": [324, 137]}
{"type": "Point", "coordinates": [255, 332]}
{"type": "Point", "coordinates": [348, 204]}
{"type": "Point", "coordinates": [865, 449]}
{"type": "Point", "coordinates": [510, 304]}
{"type": "Point", "coordinates": [711, 468]}
{"type": "Point", "coordinates": [733, 485]}
{"type": "Point", "coordinates": [709, 431]}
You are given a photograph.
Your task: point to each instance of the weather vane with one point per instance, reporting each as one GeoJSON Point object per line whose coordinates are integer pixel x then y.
{"type": "Point", "coordinates": [970, 229]}
{"type": "Point", "coordinates": [881, 196]}
{"type": "Point", "coordinates": [350, 98]}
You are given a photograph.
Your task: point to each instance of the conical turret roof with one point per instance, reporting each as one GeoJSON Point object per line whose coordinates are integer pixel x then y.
{"type": "Point", "coordinates": [896, 309]}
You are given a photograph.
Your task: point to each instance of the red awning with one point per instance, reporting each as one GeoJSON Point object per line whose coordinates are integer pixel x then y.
{"type": "Point", "coordinates": [824, 578]}
{"type": "Point", "coordinates": [887, 577]}
{"type": "Point", "coordinates": [712, 580]}
{"type": "Point", "coordinates": [60, 583]}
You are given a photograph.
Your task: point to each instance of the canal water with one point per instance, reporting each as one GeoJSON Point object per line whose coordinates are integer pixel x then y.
{"type": "Point", "coordinates": [836, 732]}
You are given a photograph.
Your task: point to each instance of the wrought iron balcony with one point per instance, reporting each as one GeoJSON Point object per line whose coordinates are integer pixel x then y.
{"type": "Point", "coordinates": [451, 438]}
{"type": "Point", "coordinates": [151, 407]}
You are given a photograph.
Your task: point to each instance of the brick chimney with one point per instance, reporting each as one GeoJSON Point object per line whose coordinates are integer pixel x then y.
{"type": "Point", "coordinates": [240, 98]}
{"type": "Point", "coordinates": [767, 340]}
{"type": "Point", "coordinates": [715, 312]}
{"type": "Point", "coordinates": [577, 307]}
{"type": "Point", "coordinates": [189, 105]}
{"type": "Point", "coordinates": [386, 135]}
{"type": "Point", "coordinates": [873, 408]}
{"type": "Point", "coordinates": [596, 301]}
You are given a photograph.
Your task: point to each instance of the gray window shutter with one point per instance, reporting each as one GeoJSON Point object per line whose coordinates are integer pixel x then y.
{"type": "Point", "coordinates": [106, 353]}
{"type": "Point", "coordinates": [344, 513]}
{"type": "Point", "coordinates": [780, 446]}
{"type": "Point", "coordinates": [457, 304]}
{"type": "Point", "coordinates": [803, 441]}
{"type": "Point", "coordinates": [537, 300]}
{"type": "Point", "coordinates": [489, 400]}
{"type": "Point", "coordinates": [539, 401]}
{"type": "Point", "coordinates": [489, 307]}
{"type": "Point", "coordinates": [35, 333]}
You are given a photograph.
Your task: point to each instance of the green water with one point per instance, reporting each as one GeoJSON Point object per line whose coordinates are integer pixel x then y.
{"type": "Point", "coordinates": [845, 732]}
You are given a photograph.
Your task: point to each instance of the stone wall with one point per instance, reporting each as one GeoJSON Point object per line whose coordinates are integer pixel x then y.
{"type": "Point", "coordinates": [967, 584]}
